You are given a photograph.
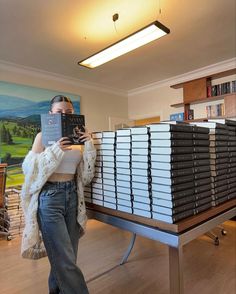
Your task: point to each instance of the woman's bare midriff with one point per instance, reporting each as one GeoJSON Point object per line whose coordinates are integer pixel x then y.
{"type": "Point", "coordinates": [56, 177]}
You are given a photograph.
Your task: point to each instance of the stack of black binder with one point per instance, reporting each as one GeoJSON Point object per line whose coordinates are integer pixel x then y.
{"type": "Point", "coordinates": [231, 176]}
{"type": "Point", "coordinates": [172, 172]}
{"type": "Point", "coordinates": [108, 170]}
{"type": "Point", "coordinates": [123, 170]}
{"type": "Point", "coordinates": [165, 171]}
{"type": "Point", "coordinates": [94, 193]}
{"type": "Point", "coordinates": [140, 162]}
{"type": "Point", "coordinates": [202, 173]}
{"type": "Point", "coordinates": [181, 179]}
{"type": "Point", "coordinates": [219, 160]}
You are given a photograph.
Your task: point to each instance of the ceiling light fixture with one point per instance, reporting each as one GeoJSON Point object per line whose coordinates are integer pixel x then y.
{"type": "Point", "coordinates": [151, 32]}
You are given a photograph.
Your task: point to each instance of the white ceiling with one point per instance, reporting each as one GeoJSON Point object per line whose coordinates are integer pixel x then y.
{"type": "Point", "coordinates": [54, 35]}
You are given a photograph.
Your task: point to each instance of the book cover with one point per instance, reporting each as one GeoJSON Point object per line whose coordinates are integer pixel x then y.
{"type": "Point", "coordinates": [140, 144]}
{"type": "Point", "coordinates": [108, 134]}
{"type": "Point", "coordinates": [172, 173]}
{"type": "Point", "coordinates": [172, 188]}
{"type": "Point", "coordinates": [165, 127]}
{"type": "Point", "coordinates": [200, 136]}
{"type": "Point", "coordinates": [171, 143]}
{"type": "Point", "coordinates": [170, 166]}
{"type": "Point", "coordinates": [201, 142]}
{"type": "Point", "coordinates": [172, 181]}
{"type": "Point", "coordinates": [139, 130]}
{"type": "Point", "coordinates": [171, 135]}
{"type": "Point", "coordinates": [202, 208]}
{"type": "Point", "coordinates": [173, 203]}
{"type": "Point", "coordinates": [57, 125]}
{"type": "Point", "coordinates": [171, 150]}
{"type": "Point", "coordinates": [123, 132]}
{"type": "Point", "coordinates": [201, 155]}
{"type": "Point", "coordinates": [202, 169]}
{"type": "Point", "coordinates": [171, 158]}
{"type": "Point", "coordinates": [173, 211]}
{"type": "Point", "coordinates": [172, 219]}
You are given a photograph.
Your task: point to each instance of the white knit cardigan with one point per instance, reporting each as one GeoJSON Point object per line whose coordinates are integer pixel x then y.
{"type": "Point", "coordinates": [37, 168]}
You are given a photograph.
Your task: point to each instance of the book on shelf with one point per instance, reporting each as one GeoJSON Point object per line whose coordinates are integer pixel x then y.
{"type": "Point", "coordinates": [233, 86]}
{"type": "Point", "coordinates": [177, 116]}
{"type": "Point", "coordinates": [209, 92]}
{"type": "Point", "coordinates": [189, 114]}
{"type": "Point", "coordinates": [57, 125]}
{"type": "Point", "coordinates": [215, 110]}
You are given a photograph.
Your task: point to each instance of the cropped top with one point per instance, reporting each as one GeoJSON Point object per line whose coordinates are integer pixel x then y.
{"type": "Point", "coordinates": [70, 161]}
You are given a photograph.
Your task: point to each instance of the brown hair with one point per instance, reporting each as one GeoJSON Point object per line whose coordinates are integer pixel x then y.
{"type": "Point", "coordinates": [60, 98]}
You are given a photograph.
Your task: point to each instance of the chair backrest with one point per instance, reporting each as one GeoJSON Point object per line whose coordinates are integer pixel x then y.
{"type": "Point", "coordinates": [3, 171]}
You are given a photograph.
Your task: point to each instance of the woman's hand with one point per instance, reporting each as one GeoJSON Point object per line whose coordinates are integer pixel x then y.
{"type": "Point", "coordinates": [85, 136]}
{"type": "Point", "coordinates": [64, 143]}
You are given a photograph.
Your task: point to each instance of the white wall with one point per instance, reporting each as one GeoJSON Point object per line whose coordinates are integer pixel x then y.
{"type": "Point", "coordinates": [97, 106]}
{"type": "Point", "coordinates": [154, 103]}
{"type": "Point", "coordinates": [157, 101]}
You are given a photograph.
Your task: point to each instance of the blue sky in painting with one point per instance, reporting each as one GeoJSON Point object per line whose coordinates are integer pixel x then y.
{"type": "Point", "coordinates": [24, 100]}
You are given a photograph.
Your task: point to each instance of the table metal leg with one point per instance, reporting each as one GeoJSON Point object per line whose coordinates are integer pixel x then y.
{"type": "Point", "coordinates": [176, 270]}
{"type": "Point", "coordinates": [127, 253]}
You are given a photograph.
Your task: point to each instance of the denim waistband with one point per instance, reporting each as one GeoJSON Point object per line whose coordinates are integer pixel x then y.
{"type": "Point", "coordinates": [61, 185]}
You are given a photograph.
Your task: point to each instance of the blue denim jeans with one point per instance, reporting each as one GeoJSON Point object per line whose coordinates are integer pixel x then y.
{"type": "Point", "coordinates": [57, 218]}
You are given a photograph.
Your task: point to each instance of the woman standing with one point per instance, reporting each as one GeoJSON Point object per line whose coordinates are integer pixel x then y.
{"type": "Point", "coordinates": [53, 204]}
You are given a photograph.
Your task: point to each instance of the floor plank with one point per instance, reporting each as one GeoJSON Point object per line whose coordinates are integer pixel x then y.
{"type": "Point", "coordinates": [208, 269]}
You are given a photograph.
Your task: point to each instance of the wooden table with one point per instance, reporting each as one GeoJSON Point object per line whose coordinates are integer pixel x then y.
{"type": "Point", "coordinates": [173, 235]}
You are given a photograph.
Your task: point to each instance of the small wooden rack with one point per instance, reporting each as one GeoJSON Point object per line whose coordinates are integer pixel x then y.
{"type": "Point", "coordinates": [3, 171]}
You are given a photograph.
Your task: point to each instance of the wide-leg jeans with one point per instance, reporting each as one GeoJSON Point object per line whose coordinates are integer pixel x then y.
{"type": "Point", "coordinates": [57, 217]}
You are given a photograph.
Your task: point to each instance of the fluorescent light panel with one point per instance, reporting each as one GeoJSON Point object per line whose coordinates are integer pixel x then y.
{"type": "Point", "coordinates": [151, 32]}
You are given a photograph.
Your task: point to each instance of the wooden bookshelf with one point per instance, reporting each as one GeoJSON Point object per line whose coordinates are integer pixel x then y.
{"type": "Point", "coordinates": [210, 77]}
{"type": "Point", "coordinates": [195, 92]}
{"type": "Point", "coordinates": [207, 118]}
{"type": "Point", "coordinates": [205, 100]}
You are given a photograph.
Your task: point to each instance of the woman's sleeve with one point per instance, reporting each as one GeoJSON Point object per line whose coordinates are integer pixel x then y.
{"type": "Point", "coordinates": [88, 165]}
{"type": "Point", "coordinates": [47, 162]}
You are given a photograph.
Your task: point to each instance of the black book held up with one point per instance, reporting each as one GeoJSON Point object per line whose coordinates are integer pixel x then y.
{"type": "Point", "coordinates": [57, 125]}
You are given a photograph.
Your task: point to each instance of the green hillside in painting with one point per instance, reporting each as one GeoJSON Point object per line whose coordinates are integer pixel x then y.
{"type": "Point", "coordinates": [16, 140]}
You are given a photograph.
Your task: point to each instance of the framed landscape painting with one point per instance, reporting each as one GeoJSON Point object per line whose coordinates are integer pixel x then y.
{"type": "Point", "coordinates": [20, 109]}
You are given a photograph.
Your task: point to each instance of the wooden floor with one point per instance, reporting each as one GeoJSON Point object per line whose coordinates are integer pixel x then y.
{"type": "Point", "coordinates": [208, 269]}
